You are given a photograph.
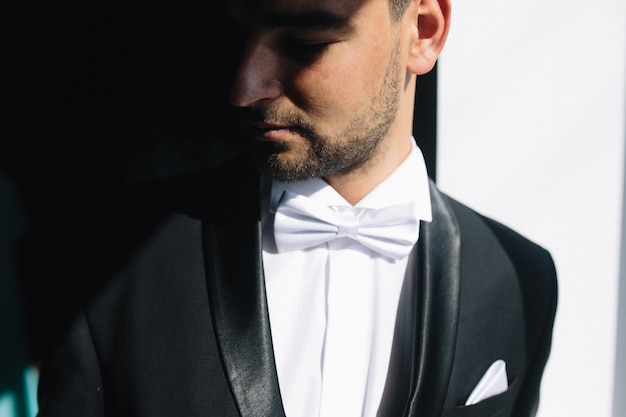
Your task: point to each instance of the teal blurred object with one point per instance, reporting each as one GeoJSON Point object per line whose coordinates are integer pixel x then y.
{"type": "Point", "coordinates": [18, 379]}
{"type": "Point", "coordinates": [23, 400]}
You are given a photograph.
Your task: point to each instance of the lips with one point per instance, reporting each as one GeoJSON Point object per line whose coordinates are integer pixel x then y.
{"type": "Point", "coordinates": [269, 131]}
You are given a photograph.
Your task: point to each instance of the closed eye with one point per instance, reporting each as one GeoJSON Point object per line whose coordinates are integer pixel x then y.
{"type": "Point", "coordinates": [304, 50]}
{"type": "Point", "coordinates": [301, 45]}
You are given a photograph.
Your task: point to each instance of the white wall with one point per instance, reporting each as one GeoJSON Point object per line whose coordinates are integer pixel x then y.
{"type": "Point", "coordinates": [531, 132]}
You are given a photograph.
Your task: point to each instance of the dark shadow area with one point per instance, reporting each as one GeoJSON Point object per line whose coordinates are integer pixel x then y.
{"type": "Point", "coordinates": [13, 351]}
{"type": "Point", "coordinates": [101, 98]}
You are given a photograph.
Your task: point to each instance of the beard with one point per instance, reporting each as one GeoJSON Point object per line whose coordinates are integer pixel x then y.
{"type": "Point", "coordinates": [321, 155]}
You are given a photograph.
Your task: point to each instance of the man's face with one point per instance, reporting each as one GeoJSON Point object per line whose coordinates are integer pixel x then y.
{"type": "Point", "coordinates": [317, 84]}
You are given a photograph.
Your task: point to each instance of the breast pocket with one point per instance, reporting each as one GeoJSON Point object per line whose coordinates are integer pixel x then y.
{"type": "Point", "coordinates": [500, 405]}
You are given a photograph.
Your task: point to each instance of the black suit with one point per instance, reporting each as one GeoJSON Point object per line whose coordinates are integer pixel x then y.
{"type": "Point", "coordinates": [171, 315]}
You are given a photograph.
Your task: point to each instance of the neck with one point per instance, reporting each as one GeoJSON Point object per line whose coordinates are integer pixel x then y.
{"type": "Point", "coordinates": [356, 184]}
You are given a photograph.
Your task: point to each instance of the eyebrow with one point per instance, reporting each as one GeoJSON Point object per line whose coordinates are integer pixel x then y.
{"type": "Point", "coordinates": [315, 19]}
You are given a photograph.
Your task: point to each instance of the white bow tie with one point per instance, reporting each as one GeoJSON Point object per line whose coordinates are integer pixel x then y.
{"type": "Point", "coordinates": [301, 222]}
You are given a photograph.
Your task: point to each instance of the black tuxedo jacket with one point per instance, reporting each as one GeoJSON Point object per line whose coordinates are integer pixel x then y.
{"type": "Point", "coordinates": [170, 316]}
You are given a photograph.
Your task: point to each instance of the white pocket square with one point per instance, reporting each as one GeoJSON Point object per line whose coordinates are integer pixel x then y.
{"type": "Point", "coordinates": [492, 383]}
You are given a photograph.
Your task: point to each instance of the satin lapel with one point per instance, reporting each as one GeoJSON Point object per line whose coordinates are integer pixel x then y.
{"type": "Point", "coordinates": [437, 307]}
{"type": "Point", "coordinates": [239, 307]}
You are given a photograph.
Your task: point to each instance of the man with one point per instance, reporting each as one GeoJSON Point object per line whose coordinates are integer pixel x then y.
{"type": "Point", "coordinates": [339, 281]}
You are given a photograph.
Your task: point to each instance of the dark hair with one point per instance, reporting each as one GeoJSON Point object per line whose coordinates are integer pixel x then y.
{"type": "Point", "coordinates": [398, 8]}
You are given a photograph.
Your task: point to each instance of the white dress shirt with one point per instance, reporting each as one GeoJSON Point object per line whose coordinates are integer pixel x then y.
{"type": "Point", "coordinates": [333, 306]}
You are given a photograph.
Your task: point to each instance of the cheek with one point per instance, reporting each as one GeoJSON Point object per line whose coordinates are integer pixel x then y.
{"type": "Point", "coordinates": [334, 90]}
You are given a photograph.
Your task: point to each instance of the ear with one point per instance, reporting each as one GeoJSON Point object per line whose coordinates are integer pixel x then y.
{"type": "Point", "coordinates": [431, 24]}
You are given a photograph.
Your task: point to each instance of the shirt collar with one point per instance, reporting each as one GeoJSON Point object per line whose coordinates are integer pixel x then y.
{"type": "Point", "coordinates": [408, 183]}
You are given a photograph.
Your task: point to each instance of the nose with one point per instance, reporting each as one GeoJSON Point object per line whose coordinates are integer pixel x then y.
{"type": "Point", "coordinates": [257, 77]}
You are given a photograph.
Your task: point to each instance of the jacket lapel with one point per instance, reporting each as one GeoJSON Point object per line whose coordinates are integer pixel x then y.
{"type": "Point", "coordinates": [240, 315]}
{"type": "Point", "coordinates": [437, 308]}
{"type": "Point", "coordinates": [233, 263]}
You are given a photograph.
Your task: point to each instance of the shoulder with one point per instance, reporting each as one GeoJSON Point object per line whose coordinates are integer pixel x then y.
{"type": "Point", "coordinates": [111, 226]}
{"type": "Point", "coordinates": [528, 257]}
{"type": "Point", "coordinates": [227, 191]}
{"type": "Point", "coordinates": [531, 261]}
{"type": "Point", "coordinates": [533, 265]}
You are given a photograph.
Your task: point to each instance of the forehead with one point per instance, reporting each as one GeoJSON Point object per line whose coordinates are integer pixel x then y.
{"type": "Point", "coordinates": [275, 12]}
